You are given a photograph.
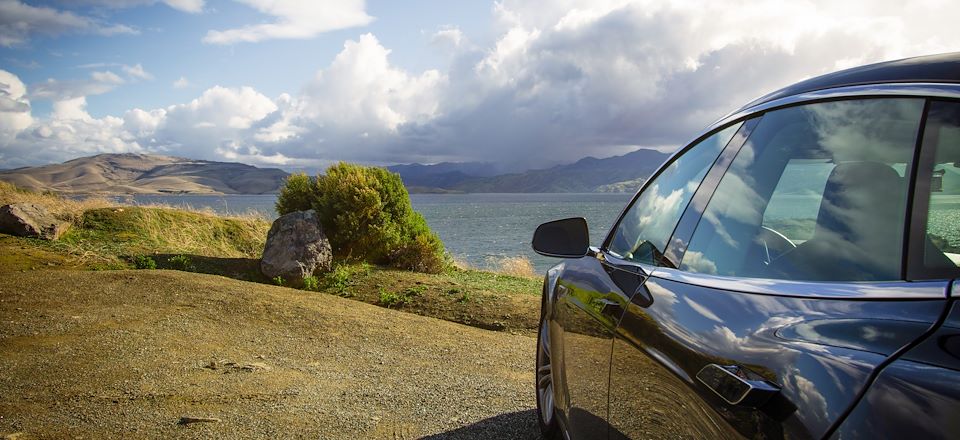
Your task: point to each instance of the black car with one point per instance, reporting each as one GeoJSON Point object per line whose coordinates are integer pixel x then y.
{"type": "Point", "coordinates": [789, 273]}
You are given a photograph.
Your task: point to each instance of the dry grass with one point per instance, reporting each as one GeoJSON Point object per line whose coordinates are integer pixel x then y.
{"type": "Point", "coordinates": [104, 232]}
{"type": "Point", "coordinates": [126, 231]}
{"type": "Point", "coordinates": [515, 266]}
{"type": "Point", "coordinates": [65, 208]}
{"type": "Point", "coordinates": [249, 215]}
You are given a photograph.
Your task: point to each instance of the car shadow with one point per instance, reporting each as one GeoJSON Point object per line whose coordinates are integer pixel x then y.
{"type": "Point", "coordinates": [519, 425]}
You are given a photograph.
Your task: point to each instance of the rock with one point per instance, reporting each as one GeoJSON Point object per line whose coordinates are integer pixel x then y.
{"type": "Point", "coordinates": [296, 248]}
{"type": "Point", "coordinates": [31, 220]}
{"type": "Point", "coordinates": [186, 420]}
{"type": "Point", "coordinates": [255, 366]}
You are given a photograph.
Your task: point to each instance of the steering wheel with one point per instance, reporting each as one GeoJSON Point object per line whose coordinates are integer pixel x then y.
{"type": "Point", "coordinates": [775, 244]}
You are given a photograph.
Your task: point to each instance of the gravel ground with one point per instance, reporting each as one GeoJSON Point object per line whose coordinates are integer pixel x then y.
{"type": "Point", "coordinates": [134, 354]}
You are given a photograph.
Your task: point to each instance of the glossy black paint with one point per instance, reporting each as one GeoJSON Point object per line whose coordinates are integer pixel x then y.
{"type": "Point", "coordinates": [941, 68]}
{"type": "Point", "coordinates": [841, 360]}
{"type": "Point", "coordinates": [917, 395]}
{"type": "Point", "coordinates": [587, 305]}
{"type": "Point", "coordinates": [567, 238]}
{"type": "Point", "coordinates": [667, 331]}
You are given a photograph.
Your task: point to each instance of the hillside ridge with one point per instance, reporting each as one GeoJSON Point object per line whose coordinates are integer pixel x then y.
{"type": "Point", "coordinates": [133, 173]}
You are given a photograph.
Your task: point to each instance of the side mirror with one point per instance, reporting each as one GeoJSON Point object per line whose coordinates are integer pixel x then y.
{"type": "Point", "coordinates": [567, 238]}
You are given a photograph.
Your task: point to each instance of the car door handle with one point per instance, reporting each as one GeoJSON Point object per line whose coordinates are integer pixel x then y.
{"type": "Point", "coordinates": [736, 385]}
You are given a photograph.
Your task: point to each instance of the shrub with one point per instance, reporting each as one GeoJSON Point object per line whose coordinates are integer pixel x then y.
{"type": "Point", "coordinates": [367, 216]}
{"type": "Point", "coordinates": [339, 279]}
{"type": "Point", "coordinates": [297, 194]}
{"type": "Point", "coordinates": [389, 299]}
{"type": "Point", "coordinates": [278, 280]}
{"type": "Point", "coordinates": [424, 253]}
{"type": "Point", "coordinates": [311, 283]}
{"type": "Point", "coordinates": [181, 262]}
{"type": "Point", "coordinates": [415, 290]}
{"type": "Point", "coordinates": [144, 262]}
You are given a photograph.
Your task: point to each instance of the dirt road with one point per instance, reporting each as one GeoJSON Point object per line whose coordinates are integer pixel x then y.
{"type": "Point", "coordinates": [130, 353]}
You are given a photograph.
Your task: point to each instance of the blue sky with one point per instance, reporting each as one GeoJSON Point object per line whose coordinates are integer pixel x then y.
{"type": "Point", "coordinates": [524, 84]}
{"type": "Point", "coordinates": [169, 46]}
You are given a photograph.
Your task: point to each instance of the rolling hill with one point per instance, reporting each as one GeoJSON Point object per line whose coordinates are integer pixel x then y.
{"type": "Point", "coordinates": [147, 174]}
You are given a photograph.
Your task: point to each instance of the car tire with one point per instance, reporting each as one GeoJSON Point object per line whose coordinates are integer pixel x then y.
{"type": "Point", "coordinates": [546, 403]}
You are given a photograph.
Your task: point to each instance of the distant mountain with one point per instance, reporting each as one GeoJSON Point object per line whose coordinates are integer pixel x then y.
{"type": "Point", "coordinates": [619, 173]}
{"type": "Point", "coordinates": [153, 174]}
{"type": "Point", "coordinates": [444, 175]}
{"type": "Point", "coordinates": [147, 174]}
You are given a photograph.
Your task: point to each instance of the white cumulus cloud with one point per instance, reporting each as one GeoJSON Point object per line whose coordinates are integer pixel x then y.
{"type": "Point", "coordinates": [294, 19]}
{"type": "Point", "coordinates": [14, 106]}
{"type": "Point", "coordinates": [561, 80]}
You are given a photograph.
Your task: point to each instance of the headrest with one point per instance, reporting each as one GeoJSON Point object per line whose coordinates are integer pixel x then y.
{"type": "Point", "coordinates": [860, 201]}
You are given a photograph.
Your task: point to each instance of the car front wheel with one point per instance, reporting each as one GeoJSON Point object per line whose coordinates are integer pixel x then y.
{"type": "Point", "coordinates": [546, 406]}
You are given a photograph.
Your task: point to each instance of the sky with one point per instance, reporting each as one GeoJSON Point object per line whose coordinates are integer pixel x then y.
{"type": "Point", "coordinates": [523, 84]}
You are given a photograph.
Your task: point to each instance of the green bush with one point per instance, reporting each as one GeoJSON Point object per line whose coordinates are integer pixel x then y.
{"type": "Point", "coordinates": [144, 262]}
{"type": "Point", "coordinates": [297, 194]}
{"type": "Point", "coordinates": [311, 283]}
{"type": "Point", "coordinates": [367, 216]}
{"type": "Point", "coordinates": [389, 299]}
{"type": "Point", "coordinates": [341, 278]}
{"type": "Point", "coordinates": [181, 262]}
{"type": "Point", "coordinates": [278, 280]}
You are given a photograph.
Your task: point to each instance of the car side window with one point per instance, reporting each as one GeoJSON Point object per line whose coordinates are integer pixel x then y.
{"type": "Point", "coordinates": [818, 192]}
{"type": "Point", "coordinates": [645, 229]}
{"type": "Point", "coordinates": [941, 251]}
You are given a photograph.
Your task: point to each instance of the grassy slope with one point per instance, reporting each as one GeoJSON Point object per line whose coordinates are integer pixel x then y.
{"type": "Point", "coordinates": [111, 237]}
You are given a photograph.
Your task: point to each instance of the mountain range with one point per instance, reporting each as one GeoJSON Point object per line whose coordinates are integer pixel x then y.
{"type": "Point", "coordinates": [152, 174]}
{"type": "Point", "coordinates": [612, 174]}
{"type": "Point", "coordinates": [147, 174]}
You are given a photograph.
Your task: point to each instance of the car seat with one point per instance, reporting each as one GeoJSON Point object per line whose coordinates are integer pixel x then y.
{"type": "Point", "coordinates": [859, 230]}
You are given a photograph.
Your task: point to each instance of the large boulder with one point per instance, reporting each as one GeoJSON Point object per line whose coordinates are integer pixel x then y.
{"type": "Point", "coordinates": [296, 248]}
{"type": "Point", "coordinates": [31, 220]}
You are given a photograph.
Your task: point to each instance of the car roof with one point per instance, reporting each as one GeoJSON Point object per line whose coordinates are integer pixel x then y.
{"type": "Point", "coordinates": [942, 68]}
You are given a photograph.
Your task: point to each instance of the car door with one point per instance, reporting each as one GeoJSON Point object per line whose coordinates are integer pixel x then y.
{"type": "Point", "coordinates": [919, 392]}
{"type": "Point", "coordinates": [782, 288]}
{"type": "Point", "coordinates": [592, 292]}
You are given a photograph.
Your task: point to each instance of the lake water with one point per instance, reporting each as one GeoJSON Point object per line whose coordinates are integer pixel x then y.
{"type": "Point", "coordinates": [478, 229]}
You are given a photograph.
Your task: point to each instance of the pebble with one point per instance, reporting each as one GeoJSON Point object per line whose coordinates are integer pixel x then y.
{"type": "Point", "coordinates": [186, 420]}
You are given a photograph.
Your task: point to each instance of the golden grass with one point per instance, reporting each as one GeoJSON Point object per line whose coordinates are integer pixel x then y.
{"type": "Point", "coordinates": [515, 266]}
{"type": "Point", "coordinates": [134, 230]}
{"type": "Point", "coordinates": [104, 231]}
{"type": "Point", "coordinates": [65, 208]}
